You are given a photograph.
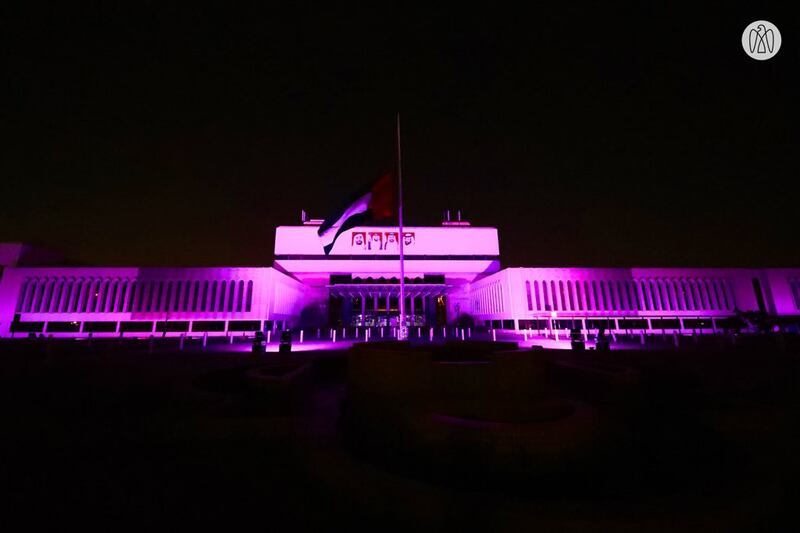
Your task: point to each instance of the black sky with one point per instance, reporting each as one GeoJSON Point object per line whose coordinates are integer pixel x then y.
{"type": "Point", "coordinates": [637, 134]}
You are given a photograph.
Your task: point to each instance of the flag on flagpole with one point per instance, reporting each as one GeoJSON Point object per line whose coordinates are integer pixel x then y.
{"type": "Point", "coordinates": [372, 203]}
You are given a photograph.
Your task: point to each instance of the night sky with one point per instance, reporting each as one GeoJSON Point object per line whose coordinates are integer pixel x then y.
{"type": "Point", "coordinates": [599, 136]}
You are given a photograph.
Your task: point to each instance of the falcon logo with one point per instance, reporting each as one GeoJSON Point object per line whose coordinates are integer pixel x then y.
{"type": "Point", "coordinates": [761, 40]}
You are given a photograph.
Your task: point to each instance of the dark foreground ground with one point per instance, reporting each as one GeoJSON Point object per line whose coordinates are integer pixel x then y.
{"type": "Point", "coordinates": [116, 436]}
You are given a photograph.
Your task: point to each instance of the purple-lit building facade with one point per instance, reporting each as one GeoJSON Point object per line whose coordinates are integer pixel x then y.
{"type": "Point", "coordinates": [453, 274]}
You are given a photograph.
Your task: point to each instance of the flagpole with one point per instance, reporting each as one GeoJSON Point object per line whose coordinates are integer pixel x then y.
{"type": "Point", "coordinates": [401, 330]}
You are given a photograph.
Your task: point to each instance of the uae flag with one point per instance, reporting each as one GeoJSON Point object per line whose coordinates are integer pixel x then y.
{"type": "Point", "coordinates": [372, 203]}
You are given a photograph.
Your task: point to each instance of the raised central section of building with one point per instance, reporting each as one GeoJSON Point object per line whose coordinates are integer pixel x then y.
{"type": "Point", "coordinates": [361, 273]}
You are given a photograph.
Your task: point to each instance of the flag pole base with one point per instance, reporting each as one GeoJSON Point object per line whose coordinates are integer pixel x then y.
{"type": "Point", "coordinates": [402, 333]}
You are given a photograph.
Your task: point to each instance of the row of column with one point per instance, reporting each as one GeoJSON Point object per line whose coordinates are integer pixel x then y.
{"type": "Point", "coordinates": [427, 304]}
{"type": "Point", "coordinates": [411, 307]}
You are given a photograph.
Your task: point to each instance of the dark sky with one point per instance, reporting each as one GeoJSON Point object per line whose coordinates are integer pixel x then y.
{"type": "Point", "coordinates": [636, 135]}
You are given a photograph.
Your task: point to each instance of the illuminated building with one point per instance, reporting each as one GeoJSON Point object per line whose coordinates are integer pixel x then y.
{"type": "Point", "coordinates": [453, 275]}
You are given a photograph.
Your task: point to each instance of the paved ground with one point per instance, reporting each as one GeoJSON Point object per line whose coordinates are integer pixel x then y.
{"type": "Point", "coordinates": [124, 437]}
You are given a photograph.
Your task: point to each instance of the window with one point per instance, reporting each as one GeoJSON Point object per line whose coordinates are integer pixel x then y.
{"type": "Point", "coordinates": [84, 299]}
{"type": "Point", "coordinates": [123, 297]}
{"type": "Point", "coordinates": [167, 296]}
{"type": "Point", "coordinates": [136, 326]}
{"type": "Point", "coordinates": [612, 290]}
{"type": "Point", "coordinates": [687, 290]}
{"type": "Point", "coordinates": [102, 296]}
{"type": "Point", "coordinates": [66, 298]}
{"type": "Point", "coordinates": [154, 291]}
{"type": "Point", "coordinates": [679, 294]}
{"type": "Point", "coordinates": [23, 291]}
{"type": "Point", "coordinates": [244, 325]}
{"type": "Point", "coordinates": [633, 292]}
{"type": "Point", "coordinates": [626, 295]}
{"type": "Point", "coordinates": [249, 299]}
{"type": "Point", "coordinates": [723, 294]}
{"type": "Point", "coordinates": [665, 323]}
{"type": "Point", "coordinates": [74, 296]}
{"type": "Point", "coordinates": [196, 295]}
{"type": "Point", "coordinates": [697, 323]}
{"type": "Point", "coordinates": [135, 302]}
{"type": "Point", "coordinates": [603, 295]}
{"type": "Point", "coordinates": [676, 304]}
{"type": "Point", "coordinates": [536, 291]}
{"type": "Point", "coordinates": [632, 323]}
{"type": "Point", "coordinates": [44, 307]}
{"type": "Point", "coordinates": [55, 301]}
{"type": "Point", "coordinates": [570, 295]}
{"type": "Point", "coordinates": [529, 296]}
{"type": "Point", "coordinates": [655, 295]}
{"type": "Point", "coordinates": [183, 295]}
{"type": "Point", "coordinates": [204, 297]}
{"type": "Point", "coordinates": [240, 296]}
{"type": "Point", "coordinates": [718, 294]}
{"type": "Point", "coordinates": [598, 305]}
{"type": "Point", "coordinates": [93, 300]}
{"type": "Point", "coordinates": [546, 295]}
{"type": "Point", "coordinates": [231, 294]}
{"type": "Point", "coordinates": [66, 293]}
{"type": "Point", "coordinates": [29, 295]}
{"type": "Point", "coordinates": [663, 297]}
{"type": "Point", "coordinates": [63, 327]}
{"type": "Point", "coordinates": [99, 327]}
{"type": "Point", "coordinates": [648, 295]}
{"type": "Point", "coordinates": [712, 294]}
{"type": "Point", "coordinates": [212, 302]}
{"type": "Point", "coordinates": [111, 296]}
{"type": "Point", "coordinates": [145, 295]}
{"type": "Point", "coordinates": [698, 302]}
{"type": "Point", "coordinates": [177, 297]}
{"type": "Point", "coordinates": [208, 325]}
{"type": "Point", "coordinates": [172, 325]}
{"type": "Point", "coordinates": [27, 327]}
{"type": "Point", "coordinates": [221, 302]}
{"type": "Point", "coordinates": [590, 302]}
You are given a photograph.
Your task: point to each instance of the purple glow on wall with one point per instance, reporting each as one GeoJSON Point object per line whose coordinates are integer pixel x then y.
{"type": "Point", "coordinates": [106, 301]}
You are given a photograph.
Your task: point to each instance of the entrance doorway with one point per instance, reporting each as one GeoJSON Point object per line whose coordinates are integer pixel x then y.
{"type": "Point", "coordinates": [371, 308]}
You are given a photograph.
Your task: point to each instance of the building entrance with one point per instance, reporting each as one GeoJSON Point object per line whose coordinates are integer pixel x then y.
{"type": "Point", "coordinates": [378, 306]}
